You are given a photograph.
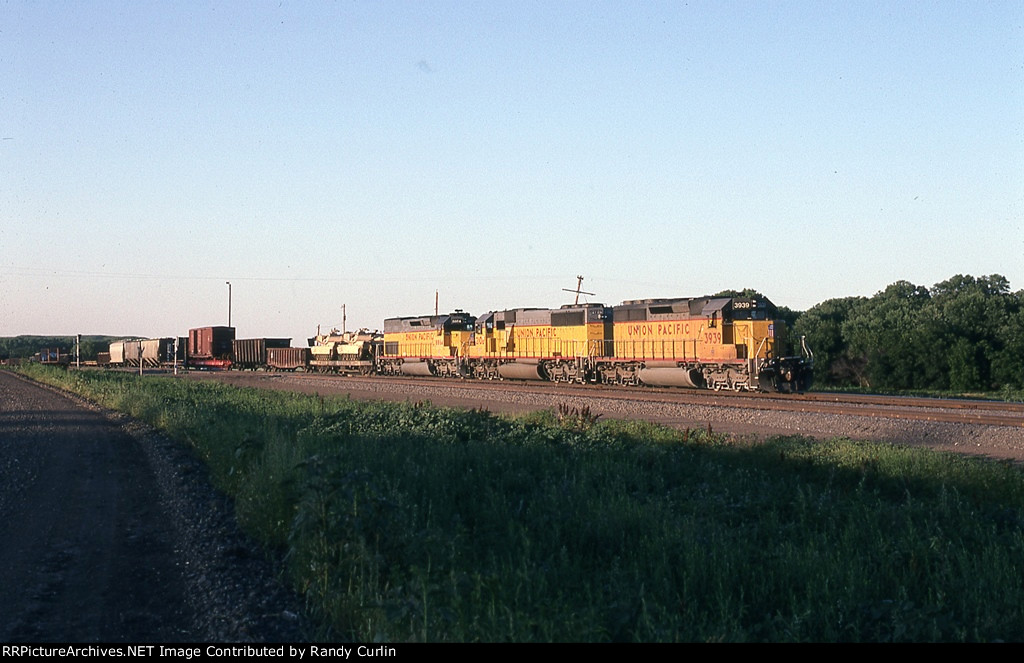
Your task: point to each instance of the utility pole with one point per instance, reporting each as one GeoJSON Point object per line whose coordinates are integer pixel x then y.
{"type": "Point", "coordinates": [229, 302]}
{"type": "Point", "coordinates": [578, 291]}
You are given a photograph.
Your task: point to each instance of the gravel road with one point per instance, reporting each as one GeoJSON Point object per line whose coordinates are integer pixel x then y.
{"type": "Point", "coordinates": [111, 533]}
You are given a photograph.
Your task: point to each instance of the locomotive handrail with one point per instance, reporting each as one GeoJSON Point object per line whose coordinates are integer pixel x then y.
{"type": "Point", "coordinates": [807, 349]}
{"type": "Point", "coordinates": [757, 354]}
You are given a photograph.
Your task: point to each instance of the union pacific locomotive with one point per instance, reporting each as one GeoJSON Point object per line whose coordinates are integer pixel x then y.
{"type": "Point", "coordinates": [713, 342]}
{"type": "Point", "coordinates": [735, 343]}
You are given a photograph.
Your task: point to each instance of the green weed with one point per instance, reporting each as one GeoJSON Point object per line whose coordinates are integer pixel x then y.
{"type": "Point", "coordinates": [408, 522]}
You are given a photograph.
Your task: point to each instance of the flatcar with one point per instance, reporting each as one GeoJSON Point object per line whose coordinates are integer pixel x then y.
{"type": "Point", "coordinates": [344, 352]}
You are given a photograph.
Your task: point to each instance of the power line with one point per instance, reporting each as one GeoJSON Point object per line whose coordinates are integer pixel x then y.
{"type": "Point", "coordinates": [63, 273]}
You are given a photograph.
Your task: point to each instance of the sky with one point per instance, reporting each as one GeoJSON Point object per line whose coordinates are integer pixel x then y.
{"type": "Point", "coordinates": [376, 155]}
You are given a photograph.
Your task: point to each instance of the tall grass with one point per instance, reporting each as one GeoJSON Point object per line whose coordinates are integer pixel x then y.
{"type": "Point", "coordinates": [407, 522]}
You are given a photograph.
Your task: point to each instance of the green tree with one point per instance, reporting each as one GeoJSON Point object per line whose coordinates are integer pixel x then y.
{"type": "Point", "coordinates": [968, 323]}
{"type": "Point", "coordinates": [822, 324]}
{"type": "Point", "coordinates": [1008, 358]}
{"type": "Point", "coordinates": [884, 334]}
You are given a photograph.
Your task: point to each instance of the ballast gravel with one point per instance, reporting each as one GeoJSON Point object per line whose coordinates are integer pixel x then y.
{"type": "Point", "coordinates": [1002, 442]}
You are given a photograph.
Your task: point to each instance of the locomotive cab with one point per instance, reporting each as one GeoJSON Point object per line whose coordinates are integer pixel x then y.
{"type": "Point", "coordinates": [775, 364]}
{"type": "Point", "coordinates": [427, 345]}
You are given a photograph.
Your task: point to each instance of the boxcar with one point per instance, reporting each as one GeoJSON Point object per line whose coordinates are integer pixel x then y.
{"type": "Point", "coordinates": [210, 347]}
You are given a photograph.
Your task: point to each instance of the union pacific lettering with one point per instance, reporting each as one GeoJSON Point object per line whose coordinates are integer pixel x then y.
{"type": "Point", "coordinates": [536, 332]}
{"type": "Point", "coordinates": [642, 329]}
{"type": "Point", "coordinates": [419, 336]}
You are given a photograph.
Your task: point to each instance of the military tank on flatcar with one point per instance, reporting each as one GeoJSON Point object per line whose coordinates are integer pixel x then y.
{"type": "Point", "coordinates": [344, 352]}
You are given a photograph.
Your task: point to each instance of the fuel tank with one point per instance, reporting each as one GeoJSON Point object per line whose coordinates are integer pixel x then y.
{"type": "Point", "coordinates": [421, 368]}
{"type": "Point", "coordinates": [520, 371]}
{"type": "Point", "coordinates": [672, 377]}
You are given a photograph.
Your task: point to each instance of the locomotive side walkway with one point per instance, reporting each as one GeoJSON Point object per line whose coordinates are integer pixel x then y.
{"type": "Point", "coordinates": [111, 534]}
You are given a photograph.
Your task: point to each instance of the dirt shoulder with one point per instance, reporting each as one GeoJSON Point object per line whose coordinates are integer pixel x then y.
{"type": "Point", "coordinates": [112, 533]}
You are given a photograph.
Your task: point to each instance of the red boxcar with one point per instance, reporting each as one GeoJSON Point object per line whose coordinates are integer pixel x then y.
{"type": "Point", "coordinates": [210, 347]}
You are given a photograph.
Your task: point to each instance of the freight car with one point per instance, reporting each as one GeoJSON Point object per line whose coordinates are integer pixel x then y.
{"type": "Point", "coordinates": [210, 347]}
{"type": "Point", "coordinates": [288, 359]}
{"type": "Point", "coordinates": [149, 353]}
{"type": "Point", "coordinates": [53, 356]}
{"type": "Point", "coordinates": [205, 347]}
{"type": "Point", "coordinates": [251, 353]}
{"type": "Point", "coordinates": [344, 352]}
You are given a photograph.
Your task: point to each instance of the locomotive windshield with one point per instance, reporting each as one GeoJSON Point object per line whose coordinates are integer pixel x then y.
{"type": "Point", "coordinates": [747, 308]}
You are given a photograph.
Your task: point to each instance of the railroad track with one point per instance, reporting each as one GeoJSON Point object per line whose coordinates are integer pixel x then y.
{"type": "Point", "coordinates": [972, 412]}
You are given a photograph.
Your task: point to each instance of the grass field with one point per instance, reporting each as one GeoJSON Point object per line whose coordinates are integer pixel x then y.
{"type": "Point", "coordinates": [407, 522]}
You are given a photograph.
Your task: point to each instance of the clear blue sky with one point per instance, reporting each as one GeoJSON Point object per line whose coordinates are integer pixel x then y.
{"type": "Point", "coordinates": [317, 154]}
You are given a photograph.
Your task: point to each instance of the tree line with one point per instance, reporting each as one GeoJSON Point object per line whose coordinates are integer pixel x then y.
{"type": "Point", "coordinates": [963, 334]}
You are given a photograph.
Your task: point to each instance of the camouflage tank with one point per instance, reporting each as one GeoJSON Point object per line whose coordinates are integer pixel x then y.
{"type": "Point", "coordinates": [345, 352]}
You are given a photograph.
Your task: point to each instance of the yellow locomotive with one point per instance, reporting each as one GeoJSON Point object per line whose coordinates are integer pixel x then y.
{"type": "Point", "coordinates": [540, 344]}
{"type": "Point", "coordinates": [426, 345]}
{"type": "Point", "coordinates": [712, 342]}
